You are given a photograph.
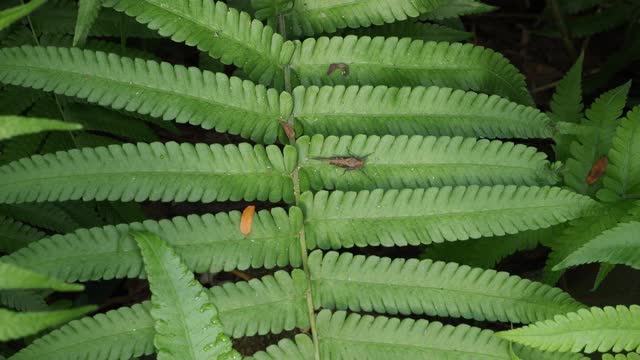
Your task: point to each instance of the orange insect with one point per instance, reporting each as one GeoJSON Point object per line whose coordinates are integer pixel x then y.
{"type": "Point", "coordinates": [246, 221]}
{"type": "Point", "coordinates": [342, 66]}
{"type": "Point", "coordinates": [597, 170]}
{"type": "Point", "coordinates": [288, 130]}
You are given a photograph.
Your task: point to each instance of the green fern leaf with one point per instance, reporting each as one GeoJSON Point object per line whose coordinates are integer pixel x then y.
{"type": "Point", "coordinates": [15, 100]}
{"type": "Point", "coordinates": [23, 146]}
{"type": "Point", "coordinates": [629, 356]}
{"type": "Point", "coordinates": [486, 252]}
{"type": "Point", "coordinates": [619, 245]}
{"type": "Point", "coordinates": [25, 300]}
{"type": "Point", "coordinates": [61, 16]}
{"type": "Point", "coordinates": [208, 243]}
{"type": "Point", "coordinates": [88, 11]}
{"type": "Point", "coordinates": [273, 303]}
{"type": "Point", "coordinates": [44, 216]}
{"type": "Point", "coordinates": [11, 15]}
{"type": "Point", "coordinates": [186, 320]}
{"type": "Point", "coordinates": [597, 329]}
{"type": "Point", "coordinates": [14, 277]}
{"type": "Point", "coordinates": [223, 32]}
{"type": "Point", "coordinates": [591, 145]}
{"type": "Point", "coordinates": [456, 8]}
{"type": "Point", "coordinates": [609, 18]}
{"type": "Point", "coordinates": [314, 17]}
{"type": "Point", "coordinates": [186, 95]}
{"type": "Point", "coordinates": [62, 40]}
{"type": "Point", "coordinates": [414, 111]}
{"type": "Point", "coordinates": [15, 235]}
{"type": "Point", "coordinates": [623, 173]}
{"type": "Point", "coordinates": [406, 62]}
{"type": "Point", "coordinates": [566, 106]}
{"type": "Point", "coordinates": [100, 119]}
{"type": "Point", "coordinates": [16, 325]}
{"type": "Point", "coordinates": [415, 30]}
{"type": "Point", "coordinates": [301, 348]}
{"type": "Point", "coordinates": [12, 126]}
{"type": "Point", "coordinates": [139, 172]}
{"type": "Point", "coordinates": [578, 233]}
{"type": "Point", "coordinates": [415, 162]}
{"type": "Point", "coordinates": [411, 217]}
{"type": "Point", "coordinates": [410, 287]}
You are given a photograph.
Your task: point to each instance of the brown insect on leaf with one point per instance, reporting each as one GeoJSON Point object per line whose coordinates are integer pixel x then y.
{"type": "Point", "coordinates": [597, 170]}
{"type": "Point", "coordinates": [246, 221]}
{"type": "Point", "coordinates": [342, 66]}
{"type": "Point", "coordinates": [288, 130]}
{"type": "Point", "coordinates": [347, 163]}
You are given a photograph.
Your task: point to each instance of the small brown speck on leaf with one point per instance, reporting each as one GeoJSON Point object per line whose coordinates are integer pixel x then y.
{"type": "Point", "coordinates": [288, 129]}
{"type": "Point", "coordinates": [597, 170]}
{"type": "Point", "coordinates": [344, 67]}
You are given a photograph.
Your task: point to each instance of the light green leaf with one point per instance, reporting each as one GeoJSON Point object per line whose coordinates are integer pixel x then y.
{"type": "Point", "coordinates": [186, 320]}
{"type": "Point", "coordinates": [13, 277]}
{"type": "Point", "coordinates": [11, 126]}
{"type": "Point", "coordinates": [597, 329]}
{"type": "Point", "coordinates": [88, 11]}
{"type": "Point", "coordinates": [11, 15]}
{"type": "Point", "coordinates": [14, 325]}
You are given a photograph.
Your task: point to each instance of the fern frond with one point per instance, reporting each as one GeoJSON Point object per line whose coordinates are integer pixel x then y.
{"type": "Point", "coordinates": [382, 110]}
{"type": "Point", "coordinates": [411, 217]}
{"type": "Point", "coordinates": [414, 162]}
{"type": "Point", "coordinates": [61, 40]}
{"type": "Point", "coordinates": [609, 18]}
{"type": "Point", "coordinates": [619, 245]}
{"type": "Point", "coordinates": [208, 243]}
{"type": "Point", "coordinates": [12, 126]}
{"type": "Point", "coordinates": [415, 30]}
{"type": "Point", "coordinates": [274, 303]}
{"type": "Point", "coordinates": [186, 95]}
{"type": "Point", "coordinates": [88, 11]}
{"type": "Point", "coordinates": [139, 172]}
{"type": "Point", "coordinates": [409, 287]}
{"type": "Point", "coordinates": [13, 277]}
{"type": "Point", "coordinates": [60, 17]}
{"type": "Point", "coordinates": [223, 32]}
{"type": "Point", "coordinates": [25, 300]}
{"type": "Point", "coordinates": [623, 173]}
{"type": "Point", "coordinates": [456, 8]}
{"type": "Point", "coordinates": [591, 145]}
{"type": "Point", "coordinates": [566, 106]}
{"type": "Point", "coordinates": [486, 252]}
{"type": "Point", "coordinates": [406, 62]}
{"type": "Point", "coordinates": [589, 330]}
{"type": "Point", "coordinates": [185, 319]}
{"type": "Point", "coordinates": [15, 235]}
{"type": "Point", "coordinates": [16, 325]}
{"type": "Point", "coordinates": [11, 15]}
{"type": "Point", "coordinates": [629, 356]}
{"type": "Point", "coordinates": [21, 147]}
{"type": "Point", "coordinates": [300, 348]}
{"type": "Point", "coordinates": [100, 119]}
{"type": "Point", "coordinates": [314, 17]}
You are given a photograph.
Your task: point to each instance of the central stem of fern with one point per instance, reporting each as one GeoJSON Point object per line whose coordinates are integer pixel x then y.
{"type": "Point", "coordinates": [295, 177]}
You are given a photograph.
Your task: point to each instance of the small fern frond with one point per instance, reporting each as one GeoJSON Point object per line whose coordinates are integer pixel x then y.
{"type": "Point", "coordinates": [45, 216]}
{"type": "Point", "coordinates": [382, 110]}
{"type": "Point", "coordinates": [223, 32]}
{"type": "Point", "coordinates": [60, 17]}
{"type": "Point", "coordinates": [300, 348]}
{"type": "Point", "coordinates": [100, 119]}
{"type": "Point", "coordinates": [418, 162]}
{"type": "Point", "coordinates": [13, 277]}
{"type": "Point", "coordinates": [629, 356]}
{"type": "Point", "coordinates": [15, 235]}
{"type": "Point", "coordinates": [25, 300]}
{"type": "Point", "coordinates": [354, 336]}
{"type": "Point", "coordinates": [139, 172]}
{"type": "Point", "coordinates": [412, 217]}
{"type": "Point", "coordinates": [12, 126]}
{"type": "Point", "coordinates": [589, 330]}
{"type": "Point", "coordinates": [407, 62]}
{"type": "Point", "coordinates": [619, 245]}
{"type": "Point", "coordinates": [309, 18]}
{"type": "Point", "coordinates": [185, 319]}
{"type": "Point", "coordinates": [456, 8]}
{"type": "Point", "coordinates": [590, 146]}
{"type": "Point", "coordinates": [208, 243]}
{"type": "Point", "coordinates": [486, 252]}
{"type": "Point", "coordinates": [88, 11]}
{"type": "Point", "coordinates": [274, 303]}
{"type": "Point", "coordinates": [623, 173]}
{"type": "Point", "coordinates": [415, 30]}
{"type": "Point", "coordinates": [16, 325]}
{"type": "Point", "coordinates": [566, 106]}
{"type": "Point", "coordinates": [13, 14]}
{"type": "Point", "coordinates": [186, 95]}
{"type": "Point", "coordinates": [15, 100]}
{"type": "Point", "coordinates": [609, 18]}
{"type": "Point", "coordinates": [413, 287]}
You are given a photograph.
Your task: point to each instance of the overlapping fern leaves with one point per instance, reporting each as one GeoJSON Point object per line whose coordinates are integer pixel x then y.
{"type": "Point", "coordinates": [381, 164]}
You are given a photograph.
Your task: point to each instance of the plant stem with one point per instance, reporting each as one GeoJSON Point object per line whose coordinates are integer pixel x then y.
{"type": "Point", "coordinates": [295, 177]}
